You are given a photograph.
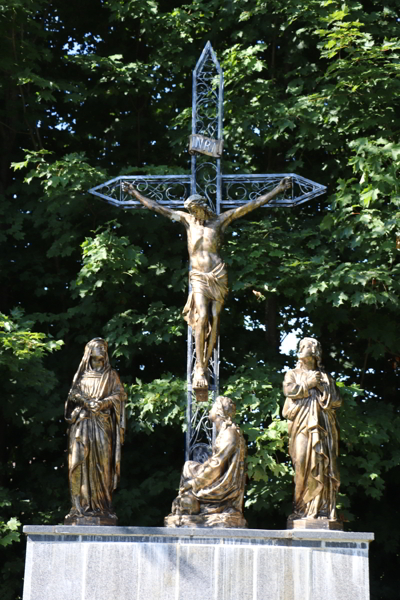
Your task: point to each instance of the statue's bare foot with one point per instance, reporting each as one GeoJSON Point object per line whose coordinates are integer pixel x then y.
{"type": "Point", "coordinates": [199, 378]}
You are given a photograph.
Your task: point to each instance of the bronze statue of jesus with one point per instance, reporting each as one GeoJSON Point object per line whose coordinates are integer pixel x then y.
{"type": "Point", "coordinates": [208, 275]}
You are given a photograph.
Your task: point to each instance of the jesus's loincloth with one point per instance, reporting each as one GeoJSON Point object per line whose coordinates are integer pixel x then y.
{"type": "Point", "coordinates": [212, 285]}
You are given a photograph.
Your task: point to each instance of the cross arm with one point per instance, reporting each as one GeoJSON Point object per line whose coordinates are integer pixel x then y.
{"type": "Point", "coordinates": [174, 215]}
{"type": "Point", "coordinates": [235, 213]}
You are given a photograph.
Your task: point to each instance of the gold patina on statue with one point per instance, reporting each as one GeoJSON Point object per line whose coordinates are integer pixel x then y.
{"type": "Point", "coordinates": [311, 402]}
{"type": "Point", "coordinates": [208, 276]}
{"type": "Point", "coordinates": [95, 410]}
{"type": "Point", "coordinates": [211, 493]}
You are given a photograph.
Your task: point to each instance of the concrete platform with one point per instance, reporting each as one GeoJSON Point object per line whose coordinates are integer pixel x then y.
{"type": "Point", "coordinates": [155, 563]}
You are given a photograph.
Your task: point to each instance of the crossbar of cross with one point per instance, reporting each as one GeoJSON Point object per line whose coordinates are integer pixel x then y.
{"type": "Point", "coordinates": [172, 190]}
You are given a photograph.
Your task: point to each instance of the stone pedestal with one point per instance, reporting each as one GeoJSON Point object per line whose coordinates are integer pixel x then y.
{"type": "Point", "coordinates": [133, 563]}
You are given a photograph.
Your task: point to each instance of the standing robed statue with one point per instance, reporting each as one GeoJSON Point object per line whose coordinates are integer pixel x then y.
{"type": "Point", "coordinates": [312, 399]}
{"type": "Point", "coordinates": [95, 411]}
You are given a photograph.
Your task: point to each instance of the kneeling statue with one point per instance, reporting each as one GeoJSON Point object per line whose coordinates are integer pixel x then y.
{"type": "Point", "coordinates": [211, 494]}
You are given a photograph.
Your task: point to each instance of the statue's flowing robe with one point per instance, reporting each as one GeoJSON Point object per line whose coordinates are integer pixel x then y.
{"type": "Point", "coordinates": [95, 439]}
{"type": "Point", "coordinates": [212, 285]}
{"type": "Point", "coordinates": [314, 443]}
{"type": "Point", "coordinates": [219, 483]}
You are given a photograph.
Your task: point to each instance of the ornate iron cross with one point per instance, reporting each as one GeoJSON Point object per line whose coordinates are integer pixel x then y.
{"type": "Point", "coordinates": [222, 192]}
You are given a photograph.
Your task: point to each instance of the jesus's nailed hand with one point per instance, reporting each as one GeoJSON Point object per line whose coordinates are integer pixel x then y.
{"type": "Point", "coordinates": [128, 187]}
{"type": "Point", "coordinates": [286, 183]}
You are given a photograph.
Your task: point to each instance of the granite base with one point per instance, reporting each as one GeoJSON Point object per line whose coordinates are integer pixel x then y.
{"type": "Point", "coordinates": [157, 563]}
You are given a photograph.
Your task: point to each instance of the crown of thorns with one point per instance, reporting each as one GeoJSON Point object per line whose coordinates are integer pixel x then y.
{"type": "Point", "coordinates": [201, 202]}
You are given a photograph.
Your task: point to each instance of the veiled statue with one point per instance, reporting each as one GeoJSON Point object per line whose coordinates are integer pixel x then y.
{"type": "Point", "coordinates": [211, 493]}
{"type": "Point", "coordinates": [312, 399]}
{"type": "Point", "coordinates": [95, 411]}
{"type": "Point", "coordinates": [208, 276]}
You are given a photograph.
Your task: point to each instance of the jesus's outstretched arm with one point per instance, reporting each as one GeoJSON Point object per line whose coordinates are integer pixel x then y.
{"type": "Point", "coordinates": [174, 215]}
{"type": "Point", "coordinates": [231, 215]}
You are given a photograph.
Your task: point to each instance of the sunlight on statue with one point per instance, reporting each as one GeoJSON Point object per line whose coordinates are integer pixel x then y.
{"type": "Point", "coordinates": [312, 398]}
{"type": "Point", "coordinates": [208, 275]}
{"type": "Point", "coordinates": [211, 493]}
{"type": "Point", "coordinates": [95, 411]}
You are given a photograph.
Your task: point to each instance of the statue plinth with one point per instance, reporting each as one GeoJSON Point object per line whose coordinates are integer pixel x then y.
{"type": "Point", "coordinates": [219, 520]}
{"type": "Point", "coordinates": [88, 520]}
{"type": "Point", "coordinates": [315, 524]}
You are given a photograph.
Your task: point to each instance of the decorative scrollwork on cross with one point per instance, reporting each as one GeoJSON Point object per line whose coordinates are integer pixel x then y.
{"type": "Point", "coordinates": [206, 181]}
{"type": "Point", "coordinates": [169, 190]}
{"type": "Point", "coordinates": [239, 189]}
{"type": "Point", "coordinates": [201, 433]}
{"type": "Point", "coordinates": [207, 96]}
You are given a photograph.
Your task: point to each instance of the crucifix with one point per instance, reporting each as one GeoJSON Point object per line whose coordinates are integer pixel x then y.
{"type": "Point", "coordinates": [204, 193]}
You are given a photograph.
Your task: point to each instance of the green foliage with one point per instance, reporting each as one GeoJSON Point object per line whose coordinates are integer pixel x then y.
{"type": "Point", "coordinates": [310, 88]}
{"type": "Point", "coordinates": [21, 348]}
{"type": "Point", "coordinates": [8, 530]}
{"type": "Point", "coordinates": [23, 417]}
{"type": "Point", "coordinates": [110, 255]}
{"type": "Point", "coordinates": [158, 403]}
{"type": "Point", "coordinates": [256, 390]}
{"type": "Point", "coordinates": [21, 361]}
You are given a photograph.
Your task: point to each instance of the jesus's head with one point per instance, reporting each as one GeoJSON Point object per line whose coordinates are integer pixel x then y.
{"type": "Point", "coordinates": [198, 207]}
